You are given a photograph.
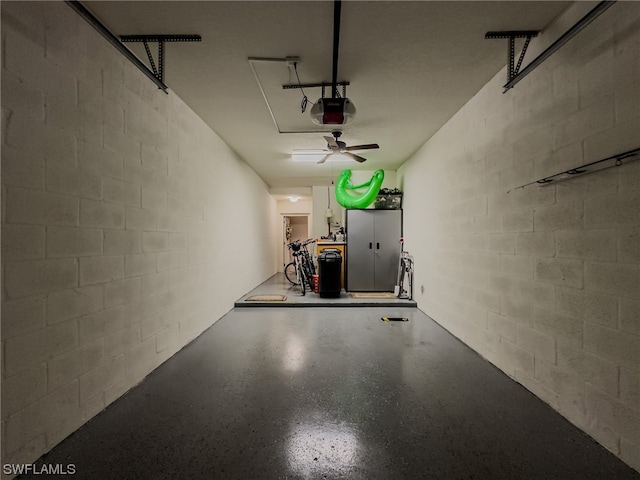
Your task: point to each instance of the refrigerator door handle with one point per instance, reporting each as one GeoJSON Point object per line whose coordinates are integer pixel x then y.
{"type": "Point", "coordinates": [370, 245]}
{"type": "Point", "coordinates": [378, 246]}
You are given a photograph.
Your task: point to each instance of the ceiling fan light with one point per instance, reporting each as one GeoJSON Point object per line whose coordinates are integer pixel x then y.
{"type": "Point", "coordinates": [307, 158]}
{"type": "Point", "coordinates": [333, 111]}
{"type": "Point", "coordinates": [315, 158]}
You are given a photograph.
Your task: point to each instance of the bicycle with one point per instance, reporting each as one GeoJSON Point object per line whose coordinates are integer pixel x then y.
{"type": "Point", "coordinates": [295, 271]}
{"type": "Point", "coordinates": [307, 262]}
{"type": "Point", "coordinates": [302, 255]}
{"type": "Point", "coordinates": [404, 288]}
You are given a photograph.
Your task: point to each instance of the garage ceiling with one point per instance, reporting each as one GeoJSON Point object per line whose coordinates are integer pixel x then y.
{"type": "Point", "coordinates": [411, 66]}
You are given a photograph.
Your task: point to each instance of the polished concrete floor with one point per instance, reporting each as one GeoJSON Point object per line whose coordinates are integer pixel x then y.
{"type": "Point", "coordinates": [279, 285]}
{"type": "Point", "coordinates": [328, 393]}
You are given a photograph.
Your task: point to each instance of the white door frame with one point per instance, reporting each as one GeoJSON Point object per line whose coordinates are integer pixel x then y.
{"type": "Point", "coordinates": [284, 258]}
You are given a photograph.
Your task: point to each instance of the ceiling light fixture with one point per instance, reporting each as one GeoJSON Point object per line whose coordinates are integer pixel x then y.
{"type": "Point", "coordinates": [293, 199]}
{"type": "Point", "coordinates": [315, 158]}
{"type": "Point", "coordinates": [307, 157]}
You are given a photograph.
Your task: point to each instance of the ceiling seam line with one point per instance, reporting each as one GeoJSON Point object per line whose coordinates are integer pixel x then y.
{"type": "Point", "coordinates": [264, 95]}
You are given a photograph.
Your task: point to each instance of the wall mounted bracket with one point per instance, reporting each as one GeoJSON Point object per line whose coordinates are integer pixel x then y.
{"type": "Point", "coordinates": [160, 39]}
{"type": "Point", "coordinates": [568, 35]}
{"type": "Point", "coordinates": [92, 20]}
{"type": "Point", "coordinates": [612, 161]}
{"type": "Point", "coordinates": [512, 35]}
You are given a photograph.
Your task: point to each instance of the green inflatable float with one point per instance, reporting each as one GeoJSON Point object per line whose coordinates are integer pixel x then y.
{"type": "Point", "coordinates": [348, 200]}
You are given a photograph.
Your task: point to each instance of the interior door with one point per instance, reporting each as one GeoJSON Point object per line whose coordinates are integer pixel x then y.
{"type": "Point", "coordinates": [360, 250]}
{"type": "Point", "coordinates": [387, 232]}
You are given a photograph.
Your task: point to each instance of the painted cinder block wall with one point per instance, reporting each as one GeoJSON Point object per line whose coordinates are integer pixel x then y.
{"type": "Point", "coordinates": [544, 282]}
{"type": "Point", "coordinates": [128, 226]}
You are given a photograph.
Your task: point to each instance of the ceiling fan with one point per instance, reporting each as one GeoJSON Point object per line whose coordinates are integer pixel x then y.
{"type": "Point", "coordinates": [336, 146]}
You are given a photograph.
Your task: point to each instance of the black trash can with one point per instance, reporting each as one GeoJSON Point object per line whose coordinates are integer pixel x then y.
{"type": "Point", "coordinates": [329, 267]}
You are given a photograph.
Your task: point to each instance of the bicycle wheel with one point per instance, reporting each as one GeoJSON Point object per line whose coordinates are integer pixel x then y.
{"type": "Point", "coordinates": [301, 278]}
{"type": "Point", "coordinates": [309, 276]}
{"type": "Point", "coordinates": [312, 266]}
{"type": "Point", "coordinates": [401, 278]}
{"type": "Point", "coordinates": [309, 261]}
{"type": "Point", "coordinates": [290, 273]}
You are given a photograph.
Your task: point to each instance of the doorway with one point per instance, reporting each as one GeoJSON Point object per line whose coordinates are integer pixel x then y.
{"type": "Point", "coordinates": [294, 227]}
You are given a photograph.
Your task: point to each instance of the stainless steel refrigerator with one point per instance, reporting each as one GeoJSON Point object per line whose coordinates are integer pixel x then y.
{"type": "Point", "coordinates": [373, 249]}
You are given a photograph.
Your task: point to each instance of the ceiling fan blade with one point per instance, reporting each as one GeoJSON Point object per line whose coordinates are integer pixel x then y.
{"type": "Point", "coordinates": [357, 158]}
{"type": "Point", "coordinates": [324, 159]}
{"type": "Point", "coordinates": [368, 146]}
{"type": "Point", "coordinates": [332, 142]}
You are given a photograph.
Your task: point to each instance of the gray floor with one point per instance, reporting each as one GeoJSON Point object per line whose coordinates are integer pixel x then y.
{"type": "Point", "coordinates": [279, 285]}
{"type": "Point", "coordinates": [327, 393]}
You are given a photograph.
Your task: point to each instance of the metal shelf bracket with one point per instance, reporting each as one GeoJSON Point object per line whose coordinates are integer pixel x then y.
{"type": "Point", "coordinates": [612, 161]}
{"type": "Point", "coordinates": [160, 39]}
{"type": "Point", "coordinates": [515, 75]}
{"type": "Point", "coordinates": [512, 35]}
{"type": "Point", "coordinates": [92, 20]}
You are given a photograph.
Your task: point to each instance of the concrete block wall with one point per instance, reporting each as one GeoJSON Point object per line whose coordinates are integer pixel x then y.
{"type": "Point", "coordinates": [128, 226]}
{"type": "Point", "coordinates": [544, 282]}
